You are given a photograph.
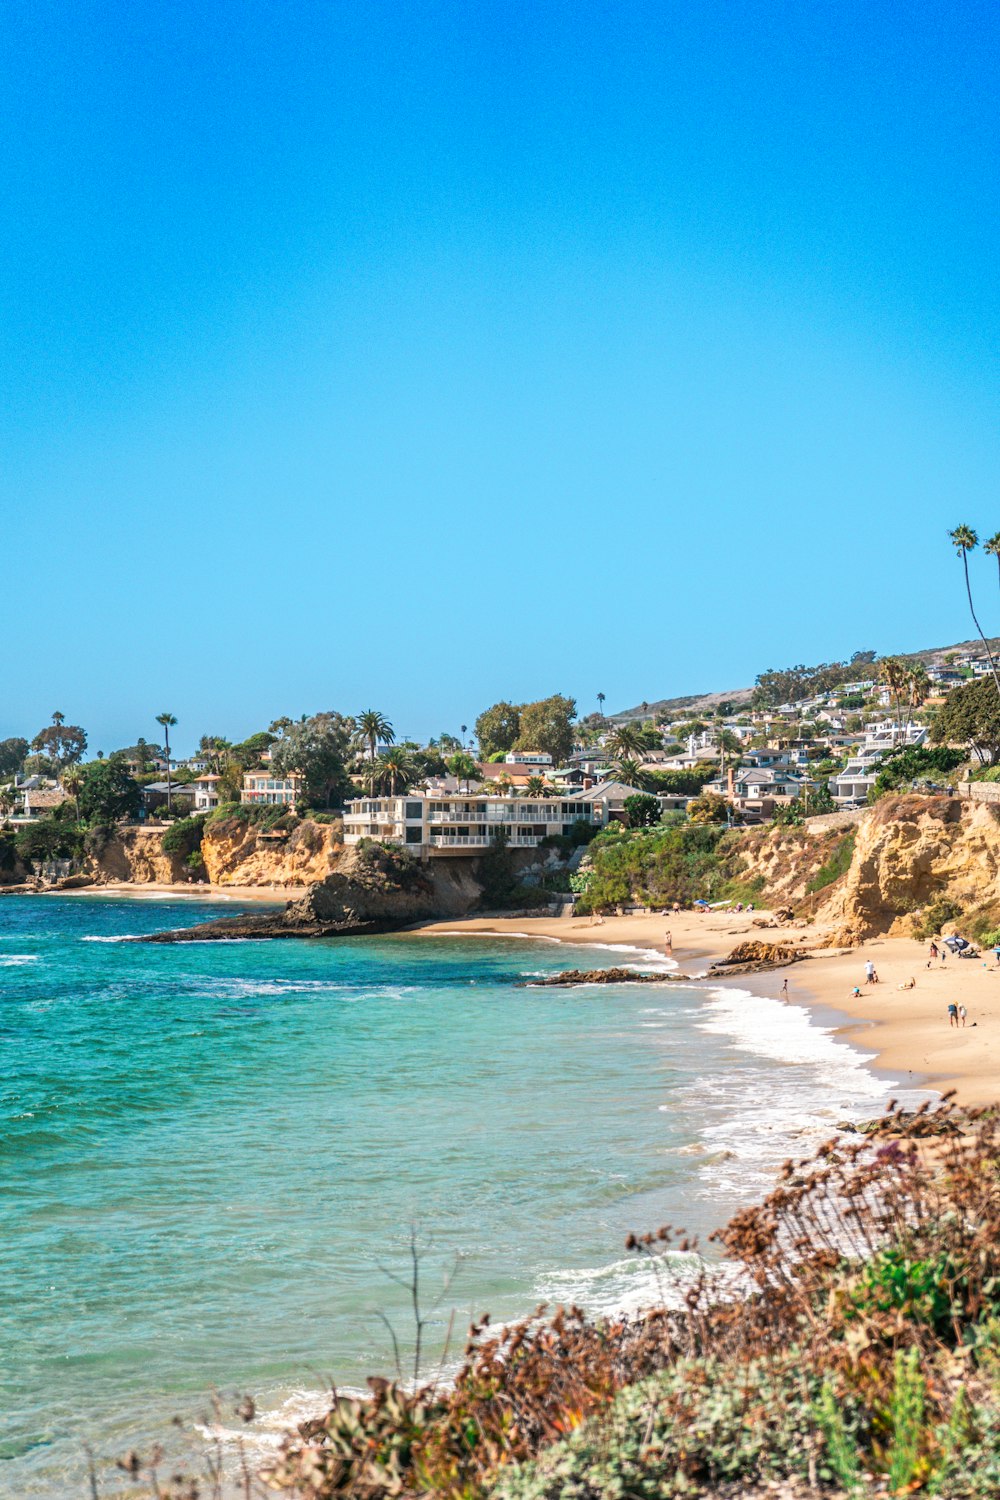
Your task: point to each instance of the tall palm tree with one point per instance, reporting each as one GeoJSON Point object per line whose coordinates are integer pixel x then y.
{"type": "Point", "coordinates": [462, 767]}
{"type": "Point", "coordinates": [375, 729]}
{"type": "Point", "coordinates": [167, 722]}
{"type": "Point", "coordinates": [892, 672]}
{"type": "Point", "coordinates": [626, 740]}
{"type": "Point", "coordinates": [966, 541]}
{"type": "Point", "coordinates": [535, 787]}
{"type": "Point", "coordinates": [72, 785]}
{"type": "Point", "coordinates": [600, 704]}
{"type": "Point", "coordinates": [918, 685]}
{"type": "Point", "coordinates": [626, 769]}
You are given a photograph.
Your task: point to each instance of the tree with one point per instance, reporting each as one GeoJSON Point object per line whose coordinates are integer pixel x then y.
{"type": "Point", "coordinates": [72, 782]}
{"type": "Point", "coordinates": [970, 715]}
{"type": "Point", "coordinates": [547, 726]}
{"type": "Point", "coordinates": [918, 685]}
{"type": "Point", "coordinates": [107, 793]}
{"type": "Point", "coordinates": [374, 728]}
{"type": "Point", "coordinates": [709, 808]}
{"type": "Point", "coordinates": [626, 741]}
{"type": "Point", "coordinates": [537, 786]}
{"type": "Point", "coordinates": [913, 763]}
{"type": "Point", "coordinates": [317, 749]}
{"type": "Point", "coordinates": [642, 810]}
{"type": "Point", "coordinates": [446, 744]}
{"type": "Point", "coordinates": [12, 755]}
{"type": "Point", "coordinates": [9, 799]}
{"type": "Point", "coordinates": [167, 722]}
{"type": "Point", "coordinates": [497, 728]}
{"type": "Point", "coordinates": [600, 704]}
{"type": "Point", "coordinates": [966, 540]}
{"type": "Point", "coordinates": [893, 673]}
{"type": "Point", "coordinates": [213, 749]}
{"type": "Point", "coordinates": [397, 767]}
{"type": "Point", "coordinates": [62, 743]}
{"type": "Point", "coordinates": [728, 743]}
{"type": "Point", "coordinates": [462, 766]}
{"type": "Point", "coordinates": [690, 727]}
{"type": "Point", "coordinates": [992, 547]}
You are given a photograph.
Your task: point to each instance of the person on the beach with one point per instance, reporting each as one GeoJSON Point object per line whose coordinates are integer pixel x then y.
{"type": "Point", "coordinates": [909, 984]}
{"type": "Point", "coordinates": [668, 944]}
{"type": "Point", "coordinates": [962, 1013]}
{"type": "Point", "coordinates": [784, 990]}
{"type": "Point", "coordinates": [932, 951]}
{"type": "Point", "coordinates": [869, 972]}
{"type": "Point", "coordinates": [855, 993]}
{"type": "Point", "coordinates": [952, 1014]}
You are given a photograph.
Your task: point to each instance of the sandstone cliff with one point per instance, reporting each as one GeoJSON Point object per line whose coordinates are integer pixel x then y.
{"type": "Point", "coordinates": [135, 855]}
{"type": "Point", "coordinates": [376, 890]}
{"type": "Point", "coordinates": [234, 853]}
{"type": "Point", "coordinates": [237, 853]}
{"type": "Point", "coordinates": [913, 853]}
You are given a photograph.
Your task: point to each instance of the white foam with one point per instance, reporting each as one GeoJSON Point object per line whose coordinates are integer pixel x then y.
{"type": "Point", "coordinates": [121, 937]}
{"type": "Point", "coordinates": [13, 959]}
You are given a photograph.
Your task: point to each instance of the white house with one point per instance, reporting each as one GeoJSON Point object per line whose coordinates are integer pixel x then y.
{"type": "Point", "coordinates": [433, 825]}
{"type": "Point", "coordinates": [206, 792]}
{"type": "Point", "coordinates": [266, 787]}
{"type": "Point", "coordinates": [535, 758]}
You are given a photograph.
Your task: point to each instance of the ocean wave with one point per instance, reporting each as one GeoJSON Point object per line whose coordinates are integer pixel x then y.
{"type": "Point", "coordinates": [12, 960]}
{"type": "Point", "coordinates": [753, 1121]}
{"type": "Point", "coordinates": [626, 1286]}
{"type": "Point", "coordinates": [119, 937]}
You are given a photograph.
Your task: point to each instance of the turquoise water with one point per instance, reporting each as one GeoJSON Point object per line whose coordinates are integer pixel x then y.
{"type": "Point", "coordinates": [212, 1154]}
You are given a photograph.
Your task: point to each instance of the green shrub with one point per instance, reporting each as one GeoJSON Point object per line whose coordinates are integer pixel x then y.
{"type": "Point", "coordinates": [183, 837]}
{"type": "Point", "coordinates": [838, 864]}
{"type": "Point", "coordinates": [934, 918]}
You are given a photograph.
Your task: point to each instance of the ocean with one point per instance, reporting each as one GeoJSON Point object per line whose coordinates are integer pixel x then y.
{"type": "Point", "coordinates": [214, 1157]}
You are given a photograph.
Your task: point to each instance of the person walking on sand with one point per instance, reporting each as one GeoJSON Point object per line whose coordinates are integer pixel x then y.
{"type": "Point", "coordinates": [668, 945]}
{"type": "Point", "coordinates": [952, 1014]}
{"type": "Point", "coordinates": [962, 1013]}
{"type": "Point", "coordinates": [869, 972]}
{"type": "Point", "coordinates": [932, 952]}
{"type": "Point", "coordinates": [784, 990]}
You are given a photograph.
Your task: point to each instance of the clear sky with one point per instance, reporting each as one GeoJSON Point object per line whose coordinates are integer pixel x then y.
{"type": "Point", "coordinates": [411, 355]}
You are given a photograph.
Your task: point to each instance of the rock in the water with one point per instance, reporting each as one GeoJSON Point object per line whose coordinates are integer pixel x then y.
{"type": "Point", "coordinates": [605, 976]}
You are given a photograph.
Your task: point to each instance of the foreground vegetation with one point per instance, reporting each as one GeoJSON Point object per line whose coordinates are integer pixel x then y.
{"type": "Point", "coordinates": [848, 1343]}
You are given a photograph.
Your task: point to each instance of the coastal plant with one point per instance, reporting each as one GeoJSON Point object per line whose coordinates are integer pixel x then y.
{"type": "Point", "coordinates": [835, 866]}
{"type": "Point", "coordinates": [965, 541]}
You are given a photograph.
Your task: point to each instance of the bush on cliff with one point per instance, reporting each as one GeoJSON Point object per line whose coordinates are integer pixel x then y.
{"type": "Point", "coordinates": [656, 866]}
{"type": "Point", "coordinates": [183, 838]}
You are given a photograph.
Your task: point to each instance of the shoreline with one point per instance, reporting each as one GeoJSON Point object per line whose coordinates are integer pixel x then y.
{"type": "Point", "coordinates": [905, 1032]}
{"type": "Point", "coordinates": [196, 891]}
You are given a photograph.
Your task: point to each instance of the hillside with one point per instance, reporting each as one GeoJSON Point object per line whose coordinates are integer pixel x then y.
{"type": "Point", "coordinates": [707, 701]}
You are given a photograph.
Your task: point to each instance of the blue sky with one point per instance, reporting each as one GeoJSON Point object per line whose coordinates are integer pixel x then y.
{"type": "Point", "coordinates": [415, 355]}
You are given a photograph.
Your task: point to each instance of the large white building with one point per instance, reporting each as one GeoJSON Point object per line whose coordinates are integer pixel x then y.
{"type": "Point", "coordinates": [431, 825]}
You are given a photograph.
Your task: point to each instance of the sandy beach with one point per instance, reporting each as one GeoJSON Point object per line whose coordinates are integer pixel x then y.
{"type": "Point", "coordinates": [907, 1029]}
{"type": "Point", "coordinates": [278, 895]}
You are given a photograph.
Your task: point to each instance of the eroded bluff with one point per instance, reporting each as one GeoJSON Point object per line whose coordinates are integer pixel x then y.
{"type": "Point", "coordinates": [368, 892]}
{"type": "Point", "coordinates": [912, 853]}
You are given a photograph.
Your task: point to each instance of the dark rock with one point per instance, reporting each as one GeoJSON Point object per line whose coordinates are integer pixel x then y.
{"type": "Point", "coordinates": [604, 976]}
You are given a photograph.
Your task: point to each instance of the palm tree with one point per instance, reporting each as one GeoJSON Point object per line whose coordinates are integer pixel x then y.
{"type": "Point", "coordinates": [893, 673]}
{"type": "Point", "coordinates": [462, 767]}
{"type": "Point", "coordinates": [626, 740]}
{"type": "Point", "coordinates": [72, 785]}
{"type": "Point", "coordinates": [167, 722]}
{"type": "Point", "coordinates": [626, 768]}
{"type": "Point", "coordinates": [535, 787]}
{"type": "Point", "coordinates": [918, 685]}
{"type": "Point", "coordinates": [398, 766]}
{"type": "Point", "coordinates": [375, 729]}
{"type": "Point", "coordinates": [966, 541]}
{"type": "Point", "coordinates": [600, 704]}
{"type": "Point", "coordinates": [9, 798]}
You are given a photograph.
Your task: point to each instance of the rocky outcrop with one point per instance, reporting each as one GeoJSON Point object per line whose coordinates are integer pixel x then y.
{"type": "Point", "coordinates": [238, 853]}
{"type": "Point", "coordinates": [135, 856]}
{"type": "Point", "coordinates": [911, 854]}
{"type": "Point", "coordinates": [756, 957]}
{"type": "Point", "coordinates": [376, 890]}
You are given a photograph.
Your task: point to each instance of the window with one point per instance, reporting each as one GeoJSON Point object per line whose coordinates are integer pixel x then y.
{"type": "Point", "coordinates": [414, 810]}
{"type": "Point", "coordinates": [414, 835]}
